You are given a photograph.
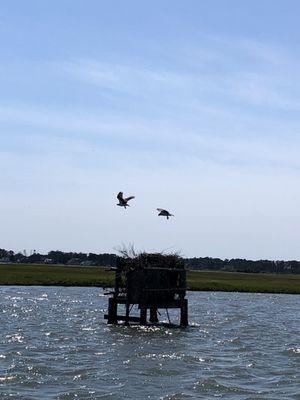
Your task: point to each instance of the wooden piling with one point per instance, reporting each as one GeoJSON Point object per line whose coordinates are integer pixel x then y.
{"type": "Point", "coordinates": [153, 315]}
{"type": "Point", "coordinates": [112, 311]}
{"type": "Point", "coordinates": [143, 316]}
{"type": "Point", "coordinates": [184, 313]}
{"type": "Point", "coordinates": [127, 313]}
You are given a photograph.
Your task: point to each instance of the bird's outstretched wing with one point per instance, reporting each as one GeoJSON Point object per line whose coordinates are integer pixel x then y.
{"type": "Point", "coordinates": [120, 196]}
{"type": "Point", "coordinates": [129, 198]}
{"type": "Point", "coordinates": [161, 209]}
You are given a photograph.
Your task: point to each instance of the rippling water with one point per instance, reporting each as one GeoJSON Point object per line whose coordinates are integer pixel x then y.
{"type": "Point", "coordinates": [54, 344]}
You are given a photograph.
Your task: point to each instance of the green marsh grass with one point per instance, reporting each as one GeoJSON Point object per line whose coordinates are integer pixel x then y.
{"type": "Point", "coordinates": [57, 275]}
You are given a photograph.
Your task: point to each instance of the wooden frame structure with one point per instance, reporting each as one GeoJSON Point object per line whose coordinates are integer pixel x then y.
{"type": "Point", "coordinates": [151, 281]}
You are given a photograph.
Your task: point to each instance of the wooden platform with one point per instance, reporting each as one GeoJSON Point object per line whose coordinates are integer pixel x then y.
{"type": "Point", "coordinates": [151, 282]}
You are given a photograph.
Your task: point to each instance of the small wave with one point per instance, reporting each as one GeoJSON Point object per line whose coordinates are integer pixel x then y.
{"type": "Point", "coordinates": [6, 378]}
{"type": "Point", "coordinates": [16, 337]}
{"type": "Point", "coordinates": [194, 359]}
{"type": "Point", "coordinates": [212, 385]}
{"type": "Point", "coordinates": [162, 356]}
{"type": "Point", "coordinates": [176, 396]}
{"type": "Point", "coordinates": [294, 350]}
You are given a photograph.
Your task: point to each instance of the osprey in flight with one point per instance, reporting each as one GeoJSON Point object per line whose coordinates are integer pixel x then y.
{"type": "Point", "coordinates": [164, 213]}
{"type": "Point", "coordinates": [123, 202]}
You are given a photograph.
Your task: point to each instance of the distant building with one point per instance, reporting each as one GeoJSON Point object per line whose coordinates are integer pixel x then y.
{"type": "Point", "coordinates": [74, 261]}
{"type": "Point", "coordinates": [87, 263]}
{"type": "Point", "coordinates": [4, 260]}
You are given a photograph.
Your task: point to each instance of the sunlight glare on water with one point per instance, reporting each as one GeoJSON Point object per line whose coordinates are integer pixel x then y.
{"type": "Point", "coordinates": [55, 344]}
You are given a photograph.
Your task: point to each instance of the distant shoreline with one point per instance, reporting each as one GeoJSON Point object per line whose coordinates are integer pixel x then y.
{"type": "Point", "coordinates": [57, 275]}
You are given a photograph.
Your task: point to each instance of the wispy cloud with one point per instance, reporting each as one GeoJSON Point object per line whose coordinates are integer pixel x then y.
{"type": "Point", "coordinates": [254, 73]}
{"type": "Point", "coordinates": [117, 139]}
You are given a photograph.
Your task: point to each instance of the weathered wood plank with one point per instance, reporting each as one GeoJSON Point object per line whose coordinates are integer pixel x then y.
{"type": "Point", "coordinates": [124, 318]}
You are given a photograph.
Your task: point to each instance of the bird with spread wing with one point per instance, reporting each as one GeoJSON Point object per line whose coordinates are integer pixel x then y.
{"type": "Point", "coordinates": [164, 213]}
{"type": "Point", "coordinates": [123, 202]}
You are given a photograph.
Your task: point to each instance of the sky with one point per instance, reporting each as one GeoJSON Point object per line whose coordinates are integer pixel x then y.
{"type": "Point", "coordinates": [191, 106]}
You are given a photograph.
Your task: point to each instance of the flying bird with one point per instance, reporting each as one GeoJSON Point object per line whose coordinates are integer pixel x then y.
{"type": "Point", "coordinates": [123, 202]}
{"type": "Point", "coordinates": [164, 213]}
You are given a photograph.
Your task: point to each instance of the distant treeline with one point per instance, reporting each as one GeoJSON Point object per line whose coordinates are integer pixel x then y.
{"type": "Point", "coordinates": [242, 265]}
{"type": "Point", "coordinates": [196, 263]}
{"type": "Point", "coordinates": [59, 257]}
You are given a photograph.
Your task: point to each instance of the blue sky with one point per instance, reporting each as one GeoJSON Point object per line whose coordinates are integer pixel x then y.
{"type": "Point", "coordinates": [192, 106]}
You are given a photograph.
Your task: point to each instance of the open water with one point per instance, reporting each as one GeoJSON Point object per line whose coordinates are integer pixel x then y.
{"type": "Point", "coordinates": [54, 344]}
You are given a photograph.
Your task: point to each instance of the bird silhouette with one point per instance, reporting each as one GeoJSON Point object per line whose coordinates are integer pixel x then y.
{"type": "Point", "coordinates": [123, 202]}
{"type": "Point", "coordinates": [164, 213]}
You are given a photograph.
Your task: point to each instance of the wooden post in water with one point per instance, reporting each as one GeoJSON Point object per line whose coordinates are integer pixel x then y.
{"type": "Point", "coordinates": [153, 315]}
{"type": "Point", "coordinates": [112, 311]}
{"type": "Point", "coordinates": [127, 313]}
{"type": "Point", "coordinates": [184, 313]}
{"type": "Point", "coordinates": [143, 316]}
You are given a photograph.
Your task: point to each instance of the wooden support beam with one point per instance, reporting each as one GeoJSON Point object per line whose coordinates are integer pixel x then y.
{"type": "Point", "coordinates": [112, 311]}
{"type": "Point", "coordinates": [123, 318]}
{"type": "Point", "coordinates": [127, 313]}
{"type": "Point", "coordinates": [164, 305]}
{"type": "Point", "coordinates": [184, 313]}
{"type": "Point", "coordinates": [143, 319]}
{"type": "Point", "coordinates": [153, 315]}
